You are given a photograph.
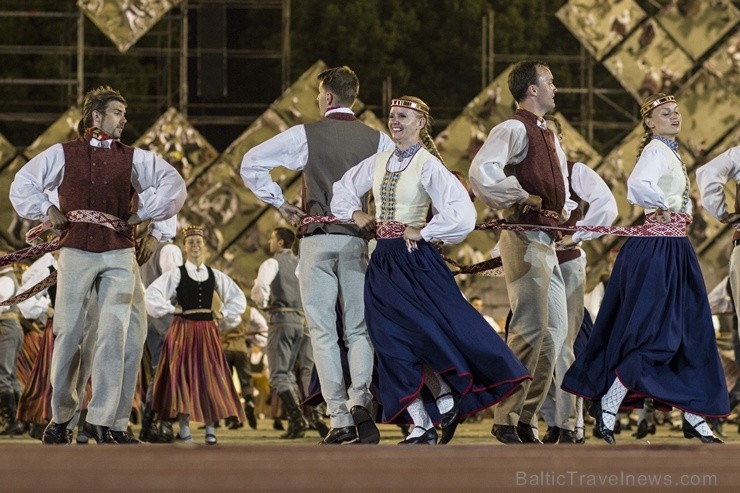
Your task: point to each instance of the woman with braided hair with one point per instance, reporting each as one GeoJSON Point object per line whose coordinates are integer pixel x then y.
{"type": "Point", "coordinates": [437, 358]}
{"type": "Point", "coordinates": [654, 337]}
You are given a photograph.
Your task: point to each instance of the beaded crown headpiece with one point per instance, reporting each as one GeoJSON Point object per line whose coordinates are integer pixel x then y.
{"type": "Point", "coordinates": [414, 105]}
{"type": "Point", "coordinates": [193, 231]}
{"type": "Point", "coordinates": [650, 105]}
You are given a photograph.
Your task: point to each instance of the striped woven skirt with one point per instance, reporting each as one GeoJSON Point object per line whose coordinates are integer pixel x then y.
{"type": "Point", "coordinates": [27, 356]}
{"type": "Point", "coordinates": [193, 377]}
{"type": "Point", "coordinates": [34, 405]}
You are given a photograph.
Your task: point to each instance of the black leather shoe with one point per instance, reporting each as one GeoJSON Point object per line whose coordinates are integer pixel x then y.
{"type": "Point", "coordinates": [101, 434]}
{"type": "Point", "coordinates": [429, 437]}
{"type": "Point", "coordinates": [56, 434]}
{"type": "Point", "coordinates": [336, 436]}
{"type": "Point", "coordinates": [552, 435]}
{"type": "Point", "coordinates": [600, 428]}
{"type": "Point", "coordinates": [367, 431]}
{"type": "Point", "coordinates": [124, 438]}
{"type": "Point", "coordinates": [506, 434]}
{"type": "Point", "coordinates": [15, 428]}
{"type": "Point", "coordinates": [526, 433]}
{"type": "Point", "coordinates": [449, 421]}
{"type": "Point", "coordinates": [567, 436]}
{"type": "Point", "coordinates": [644, 429]}
{"type": "Point", "coordinates": [690, 431]}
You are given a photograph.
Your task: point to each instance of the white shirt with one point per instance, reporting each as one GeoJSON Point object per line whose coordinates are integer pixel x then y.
{"type": "Point", "coordinates": [711, 179]}
{"type": "Point", "coordinates": [454, 212]}
{"type": "Point", "coordinates": [35, 307]}
{"type": "Point", "coordinates": [602, 208]}
{"type": "Point", "coordinates": [288, 149]}
{"type": "Point", "coordinates": [507, 144]}
{"type": "Point", "coordinates": [45, 172]}
{"type": "Point", "coordinates": [658, 180]}
{"type": "Point", "coordinates": [159, 293]}
{"type": "Point", "coordinates": [7, 286]}
{"type": "Point", "coordinates": [267, 273]}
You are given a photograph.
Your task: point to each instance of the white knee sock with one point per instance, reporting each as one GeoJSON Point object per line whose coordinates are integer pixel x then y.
{"type": "Point", "coordinates": [184, 423]}
{"type": "Point", "coordinates": [611, 401]}
{"type": "Point", "coordinates": [698, 423]}
{"type": "Point", "coordinates": [211, 429]}
{"type": "Point", "coordinates": [439, 388]}
{"type": "Point", "coordinates": [422, 421]}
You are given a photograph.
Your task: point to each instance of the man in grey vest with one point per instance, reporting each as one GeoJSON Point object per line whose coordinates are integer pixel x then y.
{"type": "Point", "coordinates": [11, 340]}
{"type": "Point", "coordinates": [333, 257]}
{"type": "Point", "coordinates": [276, 289]}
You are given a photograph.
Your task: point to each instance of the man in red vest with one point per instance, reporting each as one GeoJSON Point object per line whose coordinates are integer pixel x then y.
{"type": "Point", "coordinates": [97, 179]}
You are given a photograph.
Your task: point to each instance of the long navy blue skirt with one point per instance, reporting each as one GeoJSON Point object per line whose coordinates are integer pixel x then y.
{"type": "Point", "coordinates": [654, 332]}
{"type": "Point", "coordinates": [417, 315]}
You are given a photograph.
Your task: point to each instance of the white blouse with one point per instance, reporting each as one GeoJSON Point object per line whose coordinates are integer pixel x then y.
{"type": "Point", "coordinates": [712, 177]}
{"type": "Point", "coordinates": [658, 180]}
{"type": "Point", "coordinates": [454, 212]}
{"type": "Point", "coordinates": [160, 292]}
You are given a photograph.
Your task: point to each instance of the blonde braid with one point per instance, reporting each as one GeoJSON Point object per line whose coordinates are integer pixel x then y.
{"type": "Point", "coordinates": [645, 140]}
{"type": "Point", "coordinates": [428, 143]}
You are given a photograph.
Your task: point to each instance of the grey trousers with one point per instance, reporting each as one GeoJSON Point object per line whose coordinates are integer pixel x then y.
{"type": "Point", "coordinates": [332, 270]}
{"type": "Point", "coordinates": [284, 342]}
{"type": "Point", "coordinates": [11, 340]}
{"type": "Point", "coordinates": [735, 278]}
{"type": "Point", "coordinates": [113, 274]}
{"type": "Point", "coordinates": [560, 407]}
{"type": "Point", "coordinates": [539, 323]}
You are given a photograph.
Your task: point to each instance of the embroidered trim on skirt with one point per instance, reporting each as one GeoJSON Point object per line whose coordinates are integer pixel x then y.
{"type": "Point", "coordinates": [416, 315]}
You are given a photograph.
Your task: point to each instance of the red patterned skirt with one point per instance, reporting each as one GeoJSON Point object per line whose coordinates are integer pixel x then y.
{"type": "Point", "coordinates": [193, 377]}
{"type": "Point", "coordinates": [27, 356]}
{"type": "Point", "coordinates": [35, 403]}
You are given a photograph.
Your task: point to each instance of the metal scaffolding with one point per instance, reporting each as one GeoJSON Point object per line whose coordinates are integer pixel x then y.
{"type": "Point", "coordinates": [169, 45]}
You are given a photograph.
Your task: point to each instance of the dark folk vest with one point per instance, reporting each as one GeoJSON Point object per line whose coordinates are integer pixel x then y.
{"type": "Point", "coordinates": [98, 179]}
{"type": "Point", "coordinates": [194, 295]}
{"type": "Point", "coordinates": [335, 144]}
{"type": "Point", "coordinates": [539, 173]}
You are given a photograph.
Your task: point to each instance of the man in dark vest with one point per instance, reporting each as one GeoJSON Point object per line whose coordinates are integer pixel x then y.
{"type": "Point", "coordinates": [333, 257]}
{"type": "Point", "coordinates": [521, 169]}
{"type": "Point", "coordinates": [563, 411]}
{"type": "Point", "coordinates": [97, 179]}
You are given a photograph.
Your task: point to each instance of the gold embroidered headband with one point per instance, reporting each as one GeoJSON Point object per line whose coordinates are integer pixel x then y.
{"type": "Point", "coordinates": [648, 107]}
{"type": "Point", "coordinates": [414, 105]}
{"type": "Point", "coordinates": [193, 231]}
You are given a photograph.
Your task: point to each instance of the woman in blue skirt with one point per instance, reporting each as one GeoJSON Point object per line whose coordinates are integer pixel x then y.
{"type": "Point", "coordinates": [653, 336]}
{"type": "Point", "coordinates": [438, 360]}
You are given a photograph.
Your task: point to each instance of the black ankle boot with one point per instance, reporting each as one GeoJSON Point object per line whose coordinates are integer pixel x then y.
{"type": "Point", "coordinates": [297, 424]}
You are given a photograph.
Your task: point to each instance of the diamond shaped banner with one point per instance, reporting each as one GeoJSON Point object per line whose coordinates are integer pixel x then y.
{"type": "Point", "coordinates": [7, 151]}
{"type": "Point", "coordinates": [709, 101]}
{"type": "Point", "coordinates": [179, 143]}
{"type": "Point", "coordinates": [125, 21]}
{"type": "Point", "coordinates": [649, 61]}
{"type": "Point", "coordinates": [14, 228]}
{"type": "Point", "coordinates": [62, 130]}
{"type": "Point", "coordinates": [600, 26]}
{"type": "Point", "coordinates": [696, 26]}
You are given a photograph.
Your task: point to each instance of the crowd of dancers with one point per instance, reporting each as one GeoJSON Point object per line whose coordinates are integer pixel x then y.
{"type": "Point", "coordinates": [388, 332]}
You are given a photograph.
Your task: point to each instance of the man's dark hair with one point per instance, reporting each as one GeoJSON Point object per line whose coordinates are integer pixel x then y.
{"type": "Point", "coordinates": [523, 75]}
{"type": "Point", "coordinates": [474, 298]}
{"type": "Point", "coordinates": [97, 100]}
{"type": "Point", "coordinates": [342, 82]}
{"type": "Point", "coordinates": [286, 236]}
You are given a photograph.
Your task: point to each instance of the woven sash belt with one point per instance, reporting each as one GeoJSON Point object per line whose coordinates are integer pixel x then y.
{"type": "Point", "coordinates": [78, 216]}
